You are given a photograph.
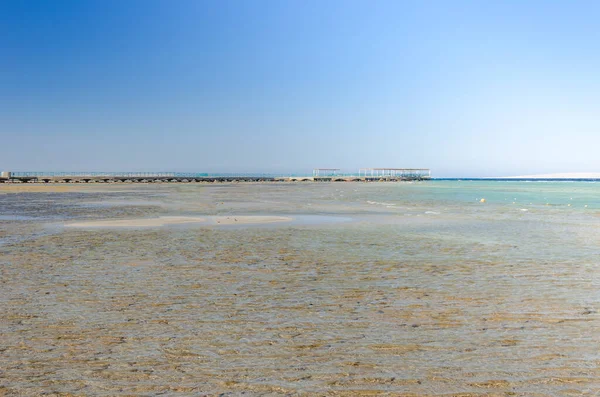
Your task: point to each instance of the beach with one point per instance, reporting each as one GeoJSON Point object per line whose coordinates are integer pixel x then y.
{"type": "Point", "coordinates": [416, 289]}
{"type": "Point", "coordinates": [560, 175]}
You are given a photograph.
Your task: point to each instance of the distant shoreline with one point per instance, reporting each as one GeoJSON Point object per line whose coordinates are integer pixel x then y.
{"type": "Point", "coordinates": [519, 179]}
{"type": "Point", "coordinates": [563, 175]}
{"type": "Point", "coordinates": [573, 176]}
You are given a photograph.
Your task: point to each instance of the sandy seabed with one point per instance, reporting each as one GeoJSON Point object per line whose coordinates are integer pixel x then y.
{"type": "Point", "coordinates": [421, 295]}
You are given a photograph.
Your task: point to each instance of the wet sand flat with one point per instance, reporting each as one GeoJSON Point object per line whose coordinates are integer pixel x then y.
{"type": "Point", "coordinates": [421, 295]}
{"type": "Point", "coordinates": [6, 188]}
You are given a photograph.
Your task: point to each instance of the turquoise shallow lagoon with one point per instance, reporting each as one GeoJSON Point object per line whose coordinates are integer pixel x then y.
{"type": "Point", "coordinates": [372, 289]}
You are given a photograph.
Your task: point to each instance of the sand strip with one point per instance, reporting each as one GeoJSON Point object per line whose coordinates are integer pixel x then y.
{"type": "Point", "coordinates": [247, 220]}
{"type": "Point", "coordinates": [142, 222]}
{"type": "Point", "coordinates": [179, 220]}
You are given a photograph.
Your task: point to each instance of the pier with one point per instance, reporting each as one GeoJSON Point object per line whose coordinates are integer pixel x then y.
{"type": "Point", "coordinates": [319, 175]}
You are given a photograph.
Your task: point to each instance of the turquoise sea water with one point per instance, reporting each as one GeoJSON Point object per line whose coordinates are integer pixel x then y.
{"type": "Point", "coordinates": [374, 288]}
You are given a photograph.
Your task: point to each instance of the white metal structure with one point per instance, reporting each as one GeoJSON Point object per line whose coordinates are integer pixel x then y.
{"type": "Point", "coordinates": [394, 172]}
{"type": "Point", "coordinates": [325, 171]}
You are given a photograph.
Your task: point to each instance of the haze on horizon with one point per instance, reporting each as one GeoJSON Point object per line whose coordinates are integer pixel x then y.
{"type": "Point", "coordinates": [465, 88]}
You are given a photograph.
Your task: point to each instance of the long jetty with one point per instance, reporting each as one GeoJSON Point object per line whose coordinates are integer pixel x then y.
{"type": "Point", "coordinates": [408, 174]}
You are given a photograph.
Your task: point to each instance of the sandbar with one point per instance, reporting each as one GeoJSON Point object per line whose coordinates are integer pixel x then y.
{"type": "Point", "coordinates": [247, 219]}
{"type": "Point", "coordinates": [141, 222]}
{"type": "Point", "coordinates": [180, 220]}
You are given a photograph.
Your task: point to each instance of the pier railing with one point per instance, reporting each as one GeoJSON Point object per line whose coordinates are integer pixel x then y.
{"type": "Point", "coordinates": [26, 174]}
{"type": "Point", "coordinates": [99, 176]}
{"type": "Point", "coordinates": [411, 173]}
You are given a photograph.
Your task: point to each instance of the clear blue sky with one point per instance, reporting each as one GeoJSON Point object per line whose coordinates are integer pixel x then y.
{"type": "Point", "coordinates": [467, 88]}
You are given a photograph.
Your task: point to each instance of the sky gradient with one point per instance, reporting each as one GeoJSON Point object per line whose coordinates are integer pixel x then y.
{"type": "Point", "coordinates": [466, 88]}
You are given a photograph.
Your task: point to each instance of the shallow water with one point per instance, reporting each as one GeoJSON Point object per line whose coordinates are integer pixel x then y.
{"type": "Point", "coordinates": [379, 288]}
